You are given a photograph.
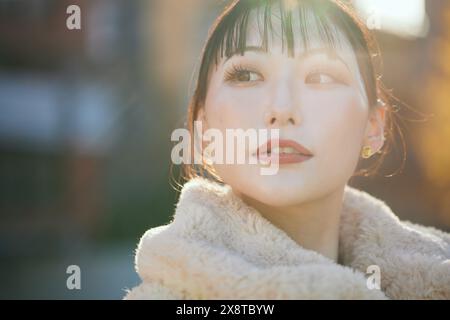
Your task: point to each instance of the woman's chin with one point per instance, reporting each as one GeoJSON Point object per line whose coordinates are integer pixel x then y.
{"type": "Point", "coordinates": [278, 194]}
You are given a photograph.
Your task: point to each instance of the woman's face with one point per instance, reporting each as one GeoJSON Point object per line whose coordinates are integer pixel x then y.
{"type": "Point", "coordinates": [315, 98]}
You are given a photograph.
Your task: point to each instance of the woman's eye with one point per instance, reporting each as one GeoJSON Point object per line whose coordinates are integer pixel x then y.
{"type": "Point", "coordinates": [246, 76]}
{"type": "Point", "coordinates": [241, 75]}
{"type": "Point", "coordinates": [321, 78]}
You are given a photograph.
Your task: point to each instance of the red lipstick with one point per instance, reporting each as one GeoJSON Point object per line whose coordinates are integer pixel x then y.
{"type": "Point", "coordinates": [287, 151]}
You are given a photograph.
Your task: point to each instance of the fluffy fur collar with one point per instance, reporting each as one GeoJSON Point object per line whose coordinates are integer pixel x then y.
{"type": "Point", "coordinates": [217, 247]}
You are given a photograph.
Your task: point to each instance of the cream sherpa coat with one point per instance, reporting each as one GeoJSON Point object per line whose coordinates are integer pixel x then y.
{"type": "Point", "coordinates": [217, 247]}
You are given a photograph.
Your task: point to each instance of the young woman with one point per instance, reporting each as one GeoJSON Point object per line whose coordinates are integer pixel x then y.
{"type": "Point", "coordinates": [306, 68]}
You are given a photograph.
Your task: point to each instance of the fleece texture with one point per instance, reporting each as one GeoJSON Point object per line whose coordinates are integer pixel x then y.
{"type": "Point", "coordinates": [217, 247]}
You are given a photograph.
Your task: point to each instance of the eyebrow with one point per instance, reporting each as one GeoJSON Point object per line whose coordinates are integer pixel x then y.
{"type": "Point", "coordinates": [304, 55]}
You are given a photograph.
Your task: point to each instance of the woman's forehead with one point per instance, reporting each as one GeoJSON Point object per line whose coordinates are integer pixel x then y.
{"type": "Point", "coordinates": [306, 34]}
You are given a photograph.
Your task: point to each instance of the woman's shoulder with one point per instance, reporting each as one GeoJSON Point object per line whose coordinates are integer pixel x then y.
{"type": "Point", "coordinates": [362, 208]}
{"type": "Point", "coordinates": [428, 230]}
{"type": "Point", "coordinates": [413, 257]}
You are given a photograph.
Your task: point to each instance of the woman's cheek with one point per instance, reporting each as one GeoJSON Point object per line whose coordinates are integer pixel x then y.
{"type": "Point", "coordinates": [338, 124]}
{"type": "Point", "coordinates": [230, 108]}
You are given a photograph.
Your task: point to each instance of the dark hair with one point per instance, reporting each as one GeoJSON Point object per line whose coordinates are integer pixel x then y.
{"type": "Point", "coordinates": [227, 37]}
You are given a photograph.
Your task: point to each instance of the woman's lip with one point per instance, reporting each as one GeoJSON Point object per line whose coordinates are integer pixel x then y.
{"type": "Point", "coordinates": [303, 151]}
{"type": "Point", "coordinates": [283, 158]}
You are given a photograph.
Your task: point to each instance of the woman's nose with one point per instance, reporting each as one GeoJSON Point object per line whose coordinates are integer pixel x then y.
{"type": "Point", "coordinates": [283, 109]}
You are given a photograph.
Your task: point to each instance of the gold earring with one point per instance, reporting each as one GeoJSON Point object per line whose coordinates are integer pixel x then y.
{"type": "Point", "coordinates": [366, 152]}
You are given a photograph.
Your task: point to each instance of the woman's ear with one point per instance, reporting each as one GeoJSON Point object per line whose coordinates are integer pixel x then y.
{"type": "Point", "coordinates": [374, 137]}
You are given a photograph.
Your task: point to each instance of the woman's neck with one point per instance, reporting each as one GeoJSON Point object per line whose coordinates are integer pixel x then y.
{"type": "Point", "coordinates": [313, 225]}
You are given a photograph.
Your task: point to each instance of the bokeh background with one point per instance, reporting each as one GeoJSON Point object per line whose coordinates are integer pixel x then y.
{"type": "Point", "coordinates": [86, 117]}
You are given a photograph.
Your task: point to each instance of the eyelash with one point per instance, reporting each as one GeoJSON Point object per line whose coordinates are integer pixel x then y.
{"type": "Point", "coordinates": [232, 74]}
{"type": "Point", "coordinates": [336, 76]}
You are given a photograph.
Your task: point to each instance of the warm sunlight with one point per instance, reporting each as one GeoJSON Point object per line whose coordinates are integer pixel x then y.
{"type": "Point", "coordinates": [406, 18]}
